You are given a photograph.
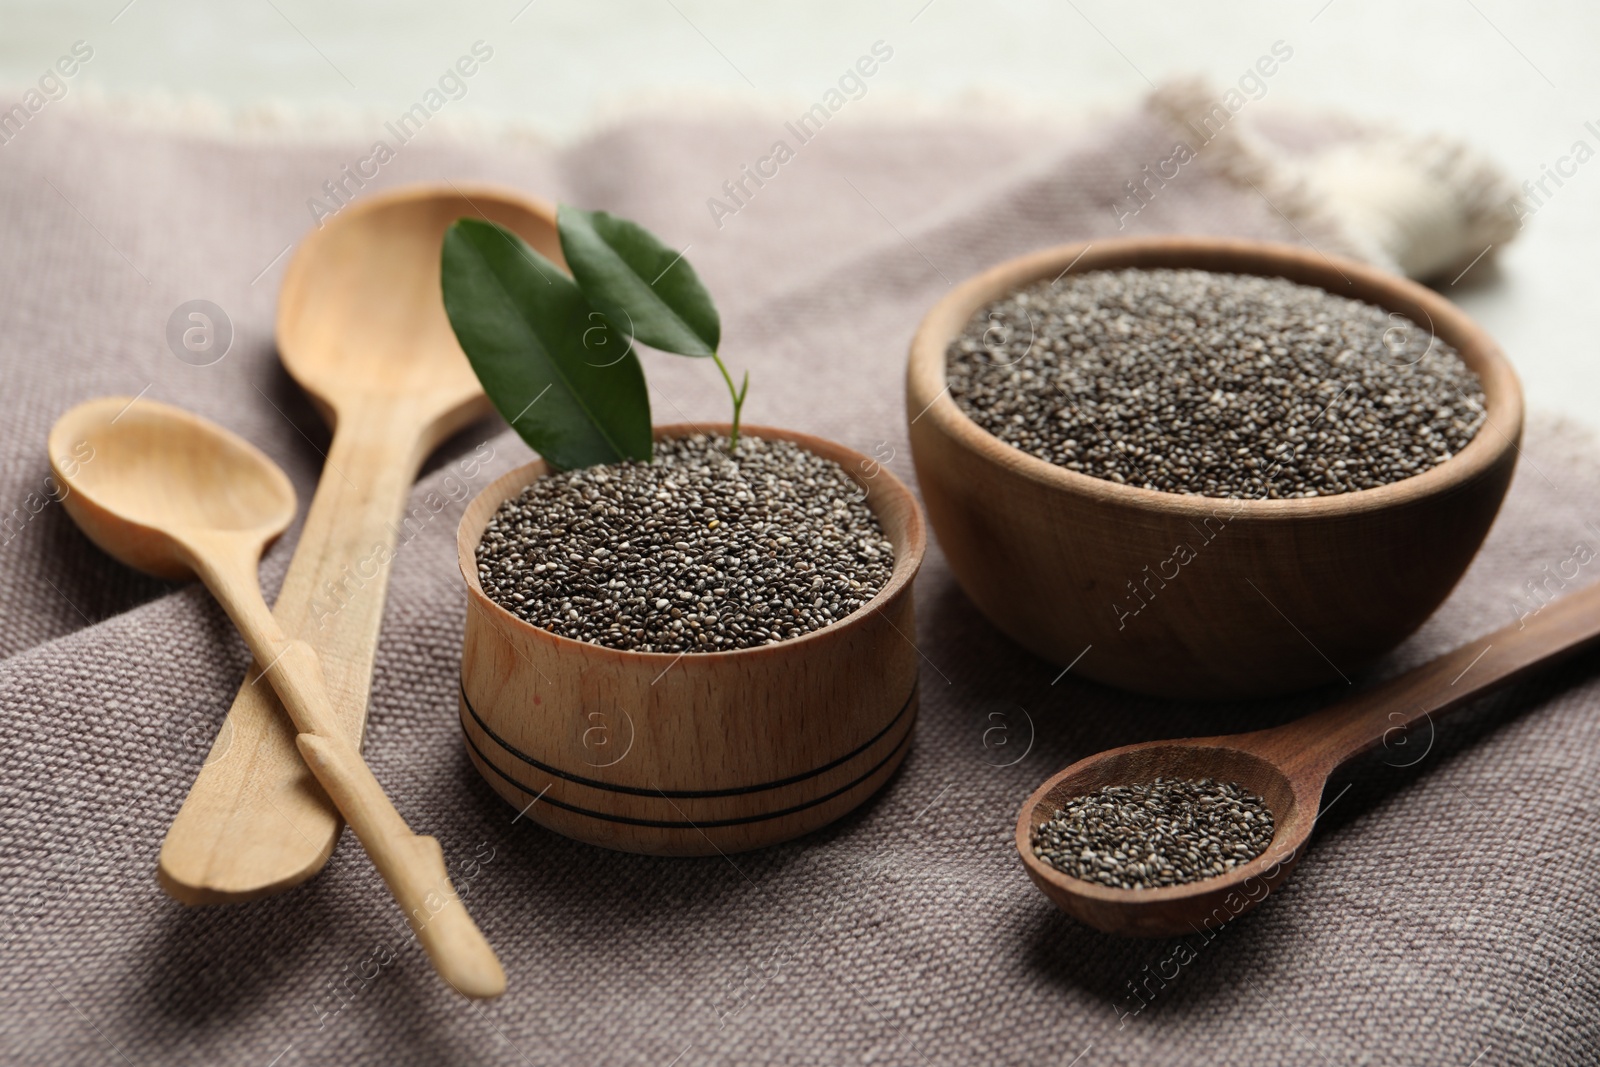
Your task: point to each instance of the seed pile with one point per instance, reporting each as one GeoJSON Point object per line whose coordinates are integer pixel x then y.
{"type": "Point", "coordinates": [1221, 385]}
{"type": "Point", "coordinates": [699, 551]}
{"type": "Point", "coordinates": [1165, 832]}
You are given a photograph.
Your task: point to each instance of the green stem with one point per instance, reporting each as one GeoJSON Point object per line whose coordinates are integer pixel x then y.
{"type": "Point", "coordinates": [738, 399]}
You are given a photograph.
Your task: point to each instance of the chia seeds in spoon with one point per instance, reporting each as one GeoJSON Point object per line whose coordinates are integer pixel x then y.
{"type": "Point", "coordinates": [1160, 833]}
{"type": "Point", "coordinates": [698, 551]}
{"type": "Point", "coordinates": [1221, 385]}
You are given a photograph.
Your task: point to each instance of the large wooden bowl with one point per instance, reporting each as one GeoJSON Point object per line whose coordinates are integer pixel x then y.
{"type": "Point", "coordinates": [698, 753]}
{"type": "Point", "coordinates": [1273, 595]}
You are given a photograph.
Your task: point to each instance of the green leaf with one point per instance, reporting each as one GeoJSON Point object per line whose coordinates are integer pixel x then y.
{"type": "Point", "coordinates": [647, 290]}
{"type": "Point", "coordinates": [561, 377]}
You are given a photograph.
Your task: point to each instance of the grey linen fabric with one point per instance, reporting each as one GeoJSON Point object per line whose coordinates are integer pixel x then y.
{"type": "Point", "coordinates": [1446, 912]}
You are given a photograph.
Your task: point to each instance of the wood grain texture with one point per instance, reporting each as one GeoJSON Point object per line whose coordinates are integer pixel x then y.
{"type": "Point", "coordinates": [361, 327]}
{"type": "Point", "coordinates": [1289, 766]}
{"type": "Point", "coordinates": [182, 497]}
{"type": "Point", "coordinates": [704, 752]}
{"type": "Point", "coordinates": [1278, 594]}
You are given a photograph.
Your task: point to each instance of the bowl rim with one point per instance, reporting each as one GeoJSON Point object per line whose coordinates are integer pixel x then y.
{"type": "Point", "coordinates": [908, 557]}
{"type": "Point", "coordinates": [928, 395]}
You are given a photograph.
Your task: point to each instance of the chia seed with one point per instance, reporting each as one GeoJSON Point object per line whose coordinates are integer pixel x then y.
{"type": "Point", "coordinates": [699, 551]}
{"type": "Point", "coordinates": [1160, 833]}
{"type": "Point", "coordinates": [1212, 384]}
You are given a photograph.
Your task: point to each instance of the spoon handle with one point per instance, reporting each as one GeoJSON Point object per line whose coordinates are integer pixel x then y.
{"type": "Point", "coordinates": [1387, 713]}
{"type": "Point", "coordinates": [411, 864]}
{"type": "Point", "coordinates": [227, 842]}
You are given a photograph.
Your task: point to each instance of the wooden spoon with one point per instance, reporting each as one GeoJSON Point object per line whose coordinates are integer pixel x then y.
{"type": "Point", "coordinates": [175, 495]}
{"type": "Point", "coordinates": [362, 328]}
{"type": "Point", "coordinates": [1288, 766]}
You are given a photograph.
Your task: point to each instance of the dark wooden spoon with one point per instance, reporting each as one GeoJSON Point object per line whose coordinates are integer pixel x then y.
{"type": "Point", "coordinates": [1288, 766]}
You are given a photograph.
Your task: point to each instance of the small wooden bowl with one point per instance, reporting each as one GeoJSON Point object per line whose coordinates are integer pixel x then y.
{"type": "Point", "coordinates": [1273, 595]}
{"type": "Point", "coordinates": [698, 753]}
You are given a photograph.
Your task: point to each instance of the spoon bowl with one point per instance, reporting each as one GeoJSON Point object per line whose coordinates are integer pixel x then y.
{"type": "Point", "coordinates": [1288, 766]}
{"type": "Point", "coordinates": [159, 471]}
{"type": "Point", "coordinates": [1173, 909]}
{"type": "Point", "coordinates": [361, 315]}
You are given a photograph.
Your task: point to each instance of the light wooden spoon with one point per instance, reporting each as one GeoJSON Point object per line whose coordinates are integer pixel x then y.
{"type": "Point", "coordinates": [362, 328]}
{"type": "Point", "coordinates": [174, 495]}
{"type": "Point", "coordinates": [1288, 766]}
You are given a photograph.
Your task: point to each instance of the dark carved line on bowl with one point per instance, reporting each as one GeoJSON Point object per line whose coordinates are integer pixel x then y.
{"type": "Point", "coordinates": [684, 794]}
{"type": "Point", "coordinates": [663, 824]}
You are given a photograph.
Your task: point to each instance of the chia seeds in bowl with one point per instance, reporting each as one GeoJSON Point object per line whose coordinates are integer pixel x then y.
{"type": "Point", "coordinates": [699, 551]}
{"type": "Point", "coordinates": [1213, 384]}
